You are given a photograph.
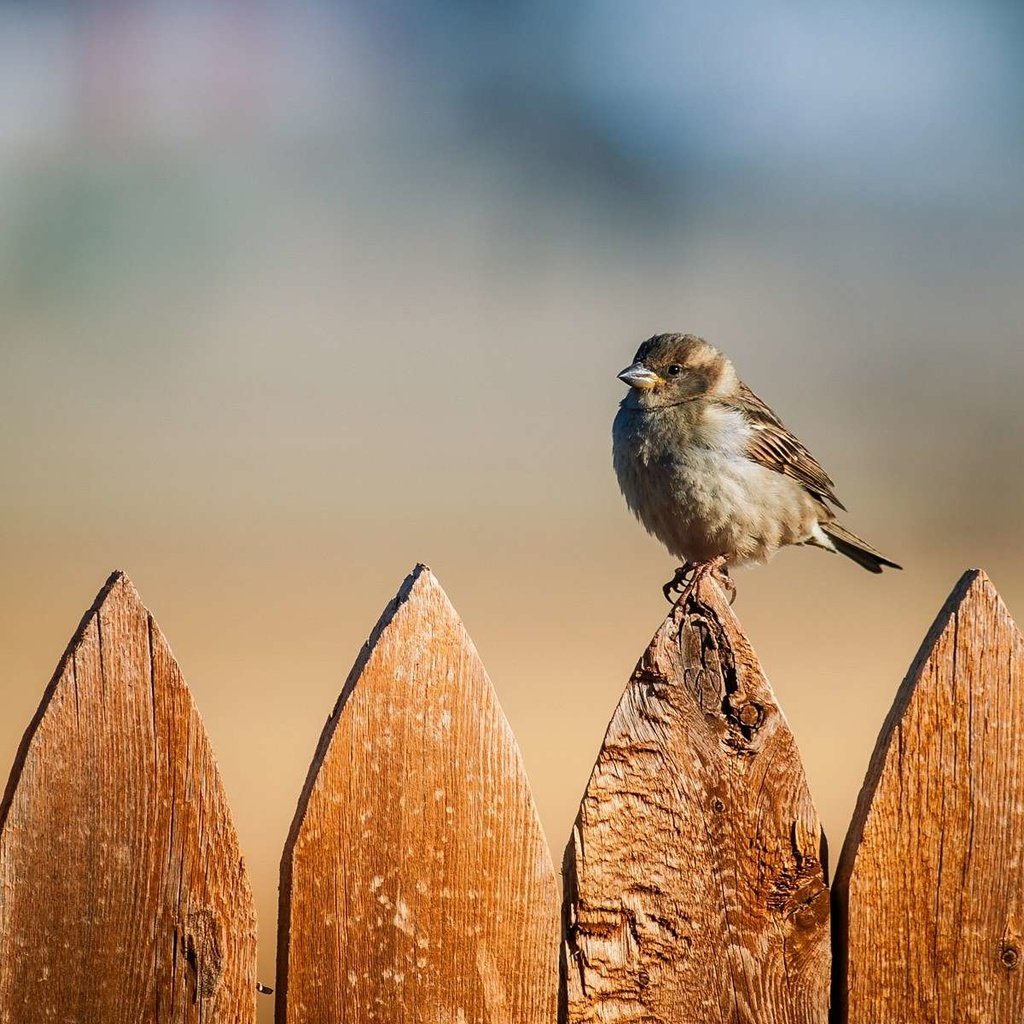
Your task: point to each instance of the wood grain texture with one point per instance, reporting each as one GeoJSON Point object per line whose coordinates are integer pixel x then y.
{"type": "Point", "coordinates": [416, 884]}
{"type": "Point", "coordinates": [695, 884]}
{"type": "Point", "coordinates": [930, 886]}
{"type": "Point", "coordinates": [123, 895]}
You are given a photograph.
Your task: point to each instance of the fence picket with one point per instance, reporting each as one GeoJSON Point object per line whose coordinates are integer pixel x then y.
{"type": "Point", "coordinates": [416, 884]}
{"type": "Point", "coordinates": [123, 896]}
{"type": "Point", "coordinates": [694, 878]}
{"type": "Point", "coordinates": [929, 890]}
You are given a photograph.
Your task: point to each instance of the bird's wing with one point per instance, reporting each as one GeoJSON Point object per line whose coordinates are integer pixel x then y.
{"type": "Point", "coordinates": [773, 446]}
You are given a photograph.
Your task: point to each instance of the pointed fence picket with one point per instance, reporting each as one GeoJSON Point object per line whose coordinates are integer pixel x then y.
{"type": "Point", "coordinates": [930, 885]}
{"type": "Point", "coordinates": [695, 885]}
{"type": "Point", "coordinates": [123, 894]}
{"type": "Point", "coordinates": [416, 886]}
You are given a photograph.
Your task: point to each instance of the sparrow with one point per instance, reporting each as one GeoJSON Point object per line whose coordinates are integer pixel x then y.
{"type": "Point", "coordinates": [713, 473]}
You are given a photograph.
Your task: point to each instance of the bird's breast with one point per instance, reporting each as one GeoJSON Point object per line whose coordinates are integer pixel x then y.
{"type": "Point", "coordinates": [685, 461]}
{"type": "Point", "coordinates": [691, 483]}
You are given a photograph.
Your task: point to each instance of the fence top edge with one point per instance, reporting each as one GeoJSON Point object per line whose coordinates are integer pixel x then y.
{"type": "Point", "coordinates": [709, 594]}
{"type": "Point", "coordinates": [420, 575]}
{"type": "Point", "coordinates": [118, 579]}
{"type": "Point", "coordinates": [974, 589]}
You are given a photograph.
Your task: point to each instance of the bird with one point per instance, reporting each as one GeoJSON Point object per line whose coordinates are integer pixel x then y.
{"type": "Point", "coordinates": [713, 473]}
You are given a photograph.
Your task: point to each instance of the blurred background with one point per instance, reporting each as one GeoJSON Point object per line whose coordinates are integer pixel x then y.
{"type": "Point", "coordinates": [295, 294]}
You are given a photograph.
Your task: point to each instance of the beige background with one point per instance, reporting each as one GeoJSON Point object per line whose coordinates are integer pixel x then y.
{"type": "Point", "coordinates": [277, 323]}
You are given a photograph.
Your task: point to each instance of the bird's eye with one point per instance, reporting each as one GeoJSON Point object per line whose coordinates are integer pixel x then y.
{"type": "Point", "coordinates": [674, 370]}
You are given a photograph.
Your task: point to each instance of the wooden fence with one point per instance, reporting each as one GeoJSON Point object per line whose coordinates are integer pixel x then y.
{"type": "Point", "coordinates": [416, 885]}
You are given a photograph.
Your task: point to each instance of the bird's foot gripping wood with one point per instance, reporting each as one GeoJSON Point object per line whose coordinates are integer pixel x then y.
{"type": "Point", "coordinates": [679, 583]}
{"type": "Point", "coordinates": [687, 577]}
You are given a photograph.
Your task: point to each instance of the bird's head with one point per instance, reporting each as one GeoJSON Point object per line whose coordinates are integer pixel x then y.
{"type": "Point", "coordinates": [670, 369]}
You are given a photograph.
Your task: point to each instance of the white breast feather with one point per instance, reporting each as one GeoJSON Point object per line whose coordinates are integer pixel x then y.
{"type": "Point", "coordinates": [720, 500]}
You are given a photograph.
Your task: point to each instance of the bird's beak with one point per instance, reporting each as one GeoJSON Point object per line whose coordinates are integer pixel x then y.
{"type": "Point", "coordinates": [639, 377]}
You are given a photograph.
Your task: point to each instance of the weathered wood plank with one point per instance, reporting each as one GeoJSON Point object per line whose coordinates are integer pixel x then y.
{"type": "Point", "coordinates": [695, 888]}
{"type": "Point", "coordinates": [123, 895]}
{"type": "Point", "coordinates": [929, 890]}
{"type": "Point", "coordinates": [416, 884]}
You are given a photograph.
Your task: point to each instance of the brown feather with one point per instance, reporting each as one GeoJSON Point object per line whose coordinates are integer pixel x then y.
{"type": "Point", "coordinates": [773, 446]}
{"type": "Point", "coordinates": [849, 544]}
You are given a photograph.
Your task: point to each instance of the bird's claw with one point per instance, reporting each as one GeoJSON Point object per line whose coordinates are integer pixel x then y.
{"type": "Point", "coordinates": [725, 581]}
{"type": "Point", "coordinates": [689, 575]}
{"type": "Point", "coordinates": [682, 579]}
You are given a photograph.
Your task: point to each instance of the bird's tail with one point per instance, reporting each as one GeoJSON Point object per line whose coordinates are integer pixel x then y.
{"type": "Point", "coordinates": [849, 544]}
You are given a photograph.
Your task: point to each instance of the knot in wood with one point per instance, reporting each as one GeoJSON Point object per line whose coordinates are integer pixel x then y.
{"type": "Point", "coordinates": [751, 715]}
{"type": "Point", "coordinates": [1010, 956]}
{"type": "Point", "coordinates": [813, 913]}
